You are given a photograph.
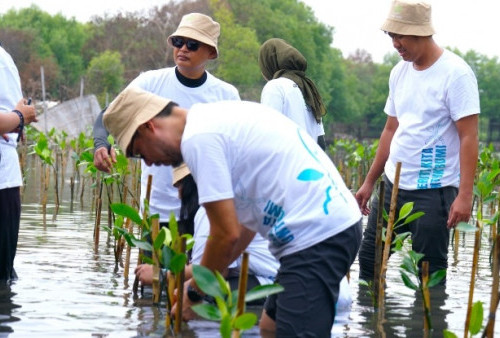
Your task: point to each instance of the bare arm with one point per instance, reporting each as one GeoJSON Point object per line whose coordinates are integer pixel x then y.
{"type": "Point", "coordinates": [460, 210]}
{"type": "Point", "coordinates": [377, 168]}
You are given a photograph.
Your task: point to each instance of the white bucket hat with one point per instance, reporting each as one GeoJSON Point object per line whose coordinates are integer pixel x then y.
{"type": "Point", "coordinates": [409, 18]}
{"type": "Point", "coordinates": [198, 27]}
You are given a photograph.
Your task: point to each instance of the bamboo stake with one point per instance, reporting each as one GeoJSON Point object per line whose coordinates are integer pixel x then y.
{"type": "Point", "coordinates": [139, 260]}
{"type": "Point", "coordinates": [490, 327]}
{"type": "Point", "coordinates": [426, 297]}
{"type": "Point", "coordinates": [475, 257]}
{"type": "Point", "coordinates": [378, 242]}
{"type": "Point", "coordinates": [388, 237]}
{"type": "Point", "coordinates": [156, 263]}
{"type": "Point", "coordinates": [242, 289]}
{"type": "Point", "coordinates": [179, 280]}
{"type": "Point", "coordinates": [97, 225]}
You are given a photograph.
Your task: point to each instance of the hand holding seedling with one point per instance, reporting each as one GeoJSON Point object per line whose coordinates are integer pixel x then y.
{"type": "Point", "coordinates": [104, 160]}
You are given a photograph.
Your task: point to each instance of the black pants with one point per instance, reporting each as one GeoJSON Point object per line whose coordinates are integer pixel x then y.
{"type": "Point", "coordinates": [429, 233]}
{"type": "Point", "coordinates": [10, 217]}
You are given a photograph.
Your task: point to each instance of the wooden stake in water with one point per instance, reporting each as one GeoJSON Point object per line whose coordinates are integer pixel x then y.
{"type": "Point", "coordinates": [139, 261]}
{"type": "Point", "coordinates": [179, 280]}
{"type": "Point", "coordinates": [156, 263]}
{"type": "Point", "coordinates": [388, 237]}
{"type": "Point", "coordinates": [242, 289]}
{"type": "Point", "coordinates": [490, 327]}
{"type": "Point", "coordinates": [378, 241]}
{"type": "Point", "coordinates": [426, 297]}
{"type": "Point", "coordinates": [475, 257]}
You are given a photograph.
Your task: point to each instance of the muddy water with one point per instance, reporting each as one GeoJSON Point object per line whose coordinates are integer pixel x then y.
{"type": "Point", "coordinates": [66, 288]}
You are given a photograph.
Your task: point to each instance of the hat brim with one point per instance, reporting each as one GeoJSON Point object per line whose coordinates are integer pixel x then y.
{"type": "Point", "coordinates": [404, 28]}
{"type": "Point", "coordinates": [179, 173]}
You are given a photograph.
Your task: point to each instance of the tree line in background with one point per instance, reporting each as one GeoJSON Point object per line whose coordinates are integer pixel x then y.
{"type": "Point", "coordinates": [109, 51]}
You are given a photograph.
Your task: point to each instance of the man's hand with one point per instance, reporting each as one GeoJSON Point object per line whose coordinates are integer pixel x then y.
{"type": "Point", "coordinates": [363, 196]}
{"type": "Point", "coordinates": [187, 313]}
{"type": "Point", "coordinates": [460, 210]}
{"type": "Point", "coordinates": [144, 272]}
{"type": "Point", "coordinates": [103, 160]}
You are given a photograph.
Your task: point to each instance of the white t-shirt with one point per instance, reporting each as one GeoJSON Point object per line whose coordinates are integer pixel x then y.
{"type": "Point", "coordinates": [163, 82]}
{"type": "Point", "coordinates": [427, 104]}
{"type": "Point", "coordinates": [285, 96]}
{"type": "Point", "coordinates": [10, 94]}
{"type": "Point", "coordinates": [283, 185]}
{"type": "Point", "coordinates": [261, 262]}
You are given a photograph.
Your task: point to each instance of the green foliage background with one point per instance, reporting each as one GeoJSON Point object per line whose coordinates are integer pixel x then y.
{"type": "Point", "coordinates": [109, 51]}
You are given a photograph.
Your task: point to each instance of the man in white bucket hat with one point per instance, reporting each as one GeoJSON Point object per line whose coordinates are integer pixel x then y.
{"type": "Point", "coordinates": [274, 181]}
{"type": "Point", "coordinates": [432, 129]}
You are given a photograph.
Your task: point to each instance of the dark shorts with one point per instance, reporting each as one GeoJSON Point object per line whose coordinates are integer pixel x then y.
{"type": "Point", "coordinates": [429, 234]}
{"type": "Point", "coordinates": [311, 279]}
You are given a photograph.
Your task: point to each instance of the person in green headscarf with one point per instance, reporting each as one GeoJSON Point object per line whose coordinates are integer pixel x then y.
{"type": "Point", "coordinates": [289, 90]}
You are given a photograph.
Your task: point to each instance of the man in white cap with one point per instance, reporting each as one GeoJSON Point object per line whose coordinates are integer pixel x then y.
{"type": "Point", "coordinates": [432, 129]}
{"type": "Point", "coordinates": [195, 43]}
{"type": "Point", "coordinates": [254, 167]}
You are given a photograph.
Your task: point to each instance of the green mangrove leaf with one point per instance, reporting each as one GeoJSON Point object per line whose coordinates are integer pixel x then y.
{"type": "Point", "coordinates": [144, 245]}
{"type": "Point", "coordinates": [207, 311]}
{"type": "Point", "coordinates": [407, 281]}
{"type": "Point", "coordinates": [178, 262]}
{"type": "Point", "coordinates": [223, 308]}
{"type": "Point", "coordinates": [206, 281]}
{"type": "Point", "coordinates": [405, 210]}
{"type": "Point", "coordinates": [449, 334]}
{"type": "Point", "coordinates": [126, 211]}
{"type": "Point", "coordinates": [413, 217]}
{"type": "Point", "coordinates": [436, 277]}
{"type": "Point", "coordinates": [174, 228]}
{"type": "Point", "coordinates": [223, 284]}
{"type": "Point", "coordinates": [225, 327]}
{"type": "Point", "coordinates": [466, 227]}
{"type": "Point", "coordinates": [166, 256]}
{"type": "Point", "coordinates": [262, 291]}
{"type": "Point", "coordinates": [476, 318]}
{"type": "Point", "coordinates": [246, 321]}
{"type": "Point", "coordinates": [160, 238]}
{"type": "Point", "coordinates": [409, 265]}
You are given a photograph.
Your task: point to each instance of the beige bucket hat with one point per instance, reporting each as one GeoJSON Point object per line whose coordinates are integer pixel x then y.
{"type": "Point", "coordinates": [131, 108]}
{"type": "Point", "coordinates": [408, 17]}
{"type": "Point", "coordinates": [179, 173]}
{"type": "Point", "coordinates": [198, 27]}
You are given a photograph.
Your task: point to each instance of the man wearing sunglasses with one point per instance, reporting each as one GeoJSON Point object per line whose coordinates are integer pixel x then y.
{"type": "Point", "coordinates": [194, 44]}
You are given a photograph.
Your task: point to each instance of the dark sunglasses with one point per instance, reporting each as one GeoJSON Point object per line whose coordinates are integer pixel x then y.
{"type": "Point", "coordinates": [191, 45]}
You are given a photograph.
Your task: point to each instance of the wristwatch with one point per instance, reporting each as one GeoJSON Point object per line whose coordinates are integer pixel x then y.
{"type": "Point", "coordinates": [193, 294]}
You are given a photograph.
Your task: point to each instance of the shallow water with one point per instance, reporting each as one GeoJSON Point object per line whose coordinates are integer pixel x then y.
{"type": "Point", "coordinates": [66, 288]}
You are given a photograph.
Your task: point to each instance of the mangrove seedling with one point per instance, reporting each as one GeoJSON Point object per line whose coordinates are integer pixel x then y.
{"type": "Point", "coordinates": [225, 310]}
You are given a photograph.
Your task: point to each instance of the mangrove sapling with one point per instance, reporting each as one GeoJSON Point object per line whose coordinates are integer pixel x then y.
{"type": "Point", "coordinates": [225, 310]}
{"type": "Point", "coordinates": [168, 247]}
{"type": "Point", "coordinates": [411, 278]}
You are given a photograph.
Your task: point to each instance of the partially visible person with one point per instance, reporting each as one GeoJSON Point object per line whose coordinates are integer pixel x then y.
{"type": "Point", "coordinates": [289, 90]}
{"type": "Point", "coordinates": [432, 129]}
{"type": "Point", "coordinates": [13, 111]}
{"type": "Point", "coordinates": [262, 264]}
{"type": "Point", "coordinates": [194, 45]}
{"type": "Point", "coordinates": [254, 167]}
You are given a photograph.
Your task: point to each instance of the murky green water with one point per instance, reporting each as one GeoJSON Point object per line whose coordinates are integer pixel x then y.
{"type": "Point", "coordinates": [66, 288]}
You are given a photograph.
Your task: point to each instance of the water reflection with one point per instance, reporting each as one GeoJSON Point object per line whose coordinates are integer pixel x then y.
{"type": "Point", "coordinates": [66, 288]}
